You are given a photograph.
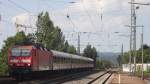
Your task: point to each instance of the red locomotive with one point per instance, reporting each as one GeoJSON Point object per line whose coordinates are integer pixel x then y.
{"type": "Point", "coordinates": [23, 59]}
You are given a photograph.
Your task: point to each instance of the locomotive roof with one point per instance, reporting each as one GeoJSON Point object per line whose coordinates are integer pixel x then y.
{"type": "Point", "coordinates": [66, 55]}
{"type": "Point", "coordinates": [22, 47]}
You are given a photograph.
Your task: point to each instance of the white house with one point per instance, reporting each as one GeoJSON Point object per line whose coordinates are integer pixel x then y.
{"type": "Point", "coordinates": [126, 67]}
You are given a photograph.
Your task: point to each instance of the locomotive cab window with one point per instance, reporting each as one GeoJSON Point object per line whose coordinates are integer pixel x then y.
{"type": "Point", "coordinates": [20, 52]}
{"type": "Point", "coordinates": [16, 52]}
{"type": "Point", "coordinates": [25, 52]}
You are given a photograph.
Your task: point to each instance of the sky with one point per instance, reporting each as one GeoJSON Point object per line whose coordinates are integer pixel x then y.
{"type": "Point", "coordinates": [95, 20]}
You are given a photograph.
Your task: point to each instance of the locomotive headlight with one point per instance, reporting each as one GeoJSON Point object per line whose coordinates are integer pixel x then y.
{"type": "Point", "coordinates": [28, 64]}
{"type": "Point", "coordinates": [26, 60]}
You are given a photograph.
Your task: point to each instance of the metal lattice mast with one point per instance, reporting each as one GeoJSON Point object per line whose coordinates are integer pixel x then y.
{"type": "Point", "coordinates": [133, 30]}
{"type": "Point", "coordinates": [133, 27]}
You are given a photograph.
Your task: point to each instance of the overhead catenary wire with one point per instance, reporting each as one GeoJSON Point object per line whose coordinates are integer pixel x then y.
{"type": "Point", "coordinates": [67, 17]}
{"type": "Point", "coordinates": [86, 11]}
{"type": "Point", "coordinates": [19, 6]}
{"type": "Point", "coordinates": [74, 26]}
{"type": "Point", "coordinates": [101, 17]}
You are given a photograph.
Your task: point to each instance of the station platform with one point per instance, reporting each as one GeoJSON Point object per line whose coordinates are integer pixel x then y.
{"type": "Point", "coordinates": [125, 78]}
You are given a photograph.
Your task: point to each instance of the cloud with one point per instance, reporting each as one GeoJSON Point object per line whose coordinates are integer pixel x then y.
{"type": "Point", "coordinates": [21, 18]}
{"type": "Point", "coordinates": [27, 19]}
{"type": "Point", "coordinates": [86, 15]}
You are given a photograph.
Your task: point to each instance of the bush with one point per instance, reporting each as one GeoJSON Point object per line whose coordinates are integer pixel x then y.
{"type": "Point", "coordinates": [138, 72]}
{"type": "Point", "coordinates": [3, 69]}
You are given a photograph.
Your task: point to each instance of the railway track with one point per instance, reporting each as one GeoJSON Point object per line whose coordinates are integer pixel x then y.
{"type": "Point", "coordinates": [7, 80]}
{"type": "Point", "coordinates": [47, 79]}
{"type": "Point", "coordinates": [101, 79]}
{"type": "Point", "coordinates": [96, 78]}
{"type": "Point", "coordinates": [59, 79]}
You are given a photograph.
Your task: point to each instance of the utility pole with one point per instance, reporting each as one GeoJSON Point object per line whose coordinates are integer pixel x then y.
{"type": "Point", "coordinates": [122, 50]}
{"type": "Point", "coordinates": [130, 52]}
{"type": "Point", "coordinates": [142, 76]}
{"type": "Point", "coordinates": [121, 55]}
{"type": "Point", "coordinates": [133, 29]}
{"type": "Point", "coordinates": [79, 43]}
{"type": "Point", "coordinates": [0, 18]}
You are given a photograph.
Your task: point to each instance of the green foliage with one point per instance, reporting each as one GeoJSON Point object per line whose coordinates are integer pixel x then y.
{"type": "Point", "coordinates": [71, 49]}
{"type": "Point", "coordinates": [51, 36]}
{"type": "Point", "coordinates": [139, 71]}
{"type": "Point", "coordinates": [3, 69]}
{"type": "Point", "coordinates": [119, 59]}
{"type": "Point", "coordinates": [90, 52]}
{"type": "Point", "coordinates": [103, 64]}
{"type": "Point", "coordinates": [146, 55]}
{"type": "Point", "coordinates": [107, 64]}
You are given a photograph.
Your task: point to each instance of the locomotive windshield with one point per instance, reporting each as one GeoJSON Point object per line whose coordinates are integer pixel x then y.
{"type": "Point", "coordinates": [20, 52]}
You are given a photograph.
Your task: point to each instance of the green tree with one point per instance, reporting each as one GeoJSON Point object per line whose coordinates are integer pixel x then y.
{"type": "Point", "coordinates": [146, 55]}
{"type": "Point", "coordinates": [71, 49]}
{"type": "Point", "coordinates": [51, 36]}
{"type": "Point", "coordinates": [66, 47]}
{"type": "Point", "coordinates": [90, 52]}
{"type": "Point", "coordinates": [119, 59]}
{"type": "Point", "coordinates": [47, 33]}
{"type": "Point", "coordinates": [103, 64]}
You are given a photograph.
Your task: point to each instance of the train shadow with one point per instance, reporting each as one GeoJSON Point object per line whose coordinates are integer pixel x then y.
{"type": "Point", "coordinates": [45, 77]}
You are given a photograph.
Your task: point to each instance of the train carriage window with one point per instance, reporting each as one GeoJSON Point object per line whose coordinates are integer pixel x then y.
{"type": "Point", "coordinates": [74, 61]}
{"type": "Point", "coordinates": [65, 60]}
{"type": "Point", "coordinates": [54, 58]}
{"type": "Point", "coordinates": [62, 59]}
{"type": "Point", "coordinates": [59, 60]}
{"type": "Point", "coordinates": [68, 60]}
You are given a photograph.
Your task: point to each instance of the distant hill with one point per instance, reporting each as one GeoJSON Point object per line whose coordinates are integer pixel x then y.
{"type": "Point", "coordinates": [112, 57]}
